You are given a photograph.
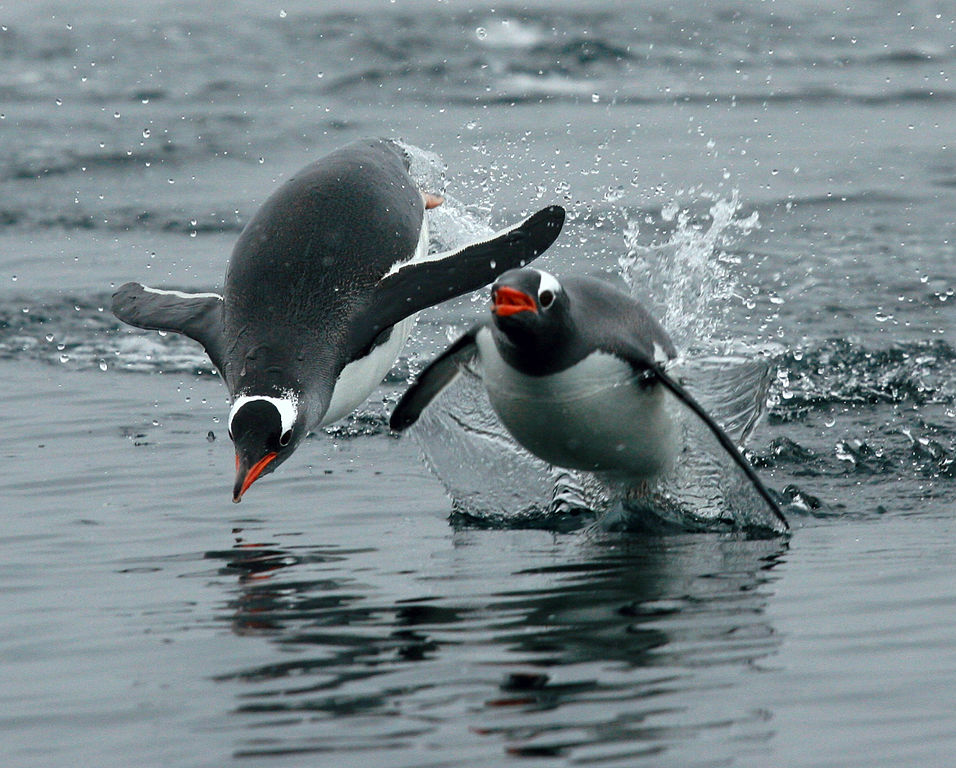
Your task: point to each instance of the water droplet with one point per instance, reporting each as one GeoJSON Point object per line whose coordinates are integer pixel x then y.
{"type": "Point", "coordinates": [103, 365]}
{"type": "Point", "coordinates": [282, 14]}
{"type": "Point", "coordinates": [58, 102]}
{"type": "Point", "coordinates": [171, 181]}
{"type": "Point", "coordinates": [595, 97]}
{"type": "Point", "coordinates": [481, 33]}
{"type": "Point", "coordinates": [14, 278]}
{"type": "Point", "coordinates": [145, 133]}
{"type": "Point", "coordinates": [64, 358]}
{"type": "Point", "coordinates": [49, 337]}
{"type": "Point", "coordinates": [117, 115]}
{"type": "Point", "coordinates": [261, 160]}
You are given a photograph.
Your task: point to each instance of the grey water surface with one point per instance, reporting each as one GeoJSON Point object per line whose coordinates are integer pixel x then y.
{"type": "Point", "coordinates": [775, 179]}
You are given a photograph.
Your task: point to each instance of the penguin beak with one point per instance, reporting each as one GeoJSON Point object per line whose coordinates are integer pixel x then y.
{"type": "Point", "coordinates": [246, 475]}
{"type": "Point", "coordinates": [509, 301]}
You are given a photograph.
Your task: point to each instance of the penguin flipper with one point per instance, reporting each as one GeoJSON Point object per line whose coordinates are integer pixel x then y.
{"type": "Point", "coordinates": [438, 374]}
{"type": "Point", "coordinates": [196, 315]}
{"type": "Point", "coordinates": [414, 285]}
{"type": "Point", "coordinates": [644, 366]}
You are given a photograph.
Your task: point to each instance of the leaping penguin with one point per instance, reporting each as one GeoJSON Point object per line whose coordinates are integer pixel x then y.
{"type": "Point", "coordinates": [575, 371]}
{"type": "Point", "coordinates": [320, 294]}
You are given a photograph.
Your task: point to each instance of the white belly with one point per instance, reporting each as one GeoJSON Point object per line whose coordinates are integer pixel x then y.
{"type": "Point", "coordinates": [592, 416]}
{"type": "Point", "coordinates": [360, 377]}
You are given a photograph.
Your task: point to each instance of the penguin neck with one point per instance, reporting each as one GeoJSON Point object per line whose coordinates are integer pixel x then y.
{"type": "Point", "coordinates": [535, 353]}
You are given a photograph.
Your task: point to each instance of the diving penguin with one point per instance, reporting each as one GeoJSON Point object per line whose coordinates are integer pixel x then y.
{"type": "Point", "coordinates": [575, 371]}
{"type": "Point", "coordinates": [320, 294]}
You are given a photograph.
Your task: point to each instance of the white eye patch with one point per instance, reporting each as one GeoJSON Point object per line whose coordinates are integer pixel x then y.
{"type": "Point", "coordinates": [547, 282]}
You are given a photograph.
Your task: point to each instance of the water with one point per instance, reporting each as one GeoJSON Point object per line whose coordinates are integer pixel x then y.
{"type": "Point", "coordinates": [338, 616]}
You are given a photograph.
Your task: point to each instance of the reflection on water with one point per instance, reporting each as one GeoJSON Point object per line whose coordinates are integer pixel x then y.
{"type": "Point", "coordinates": [591, 646]}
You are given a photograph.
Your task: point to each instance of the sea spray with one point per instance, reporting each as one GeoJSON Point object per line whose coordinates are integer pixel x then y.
{"type": "Point", "coordinates": [689, 276]}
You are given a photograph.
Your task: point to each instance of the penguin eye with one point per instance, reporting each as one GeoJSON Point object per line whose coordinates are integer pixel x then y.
{"type": "Point", "coordinates": [285, 437]}
{"type": "Point", "coordinates": [545, 298]}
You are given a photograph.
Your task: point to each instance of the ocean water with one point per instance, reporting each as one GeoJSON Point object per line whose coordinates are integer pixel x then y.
{"type": "Point", "coordinates": [777, 181]}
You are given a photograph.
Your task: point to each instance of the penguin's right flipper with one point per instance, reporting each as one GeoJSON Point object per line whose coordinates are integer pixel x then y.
{"type": "Point", "coordinates": [718, 432]}
{"type": "Point", "coordinates": [648, 369]}
{"type": "Point", "coordinates": [438, 374]}
{"type": "Point", "coordinates": [196, 315]}
{"type": "Point", "coordinates": [414, 285]}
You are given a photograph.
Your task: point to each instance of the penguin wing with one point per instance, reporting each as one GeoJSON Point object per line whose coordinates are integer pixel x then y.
{"type": "Point", "coordinates": [645, 366]}
{"type": "Point", "coordinates": [414, 285]}
{"type": "Point", "coordinates": [196, 315]}
{"type": "Point", "coordinates": [438, 374]}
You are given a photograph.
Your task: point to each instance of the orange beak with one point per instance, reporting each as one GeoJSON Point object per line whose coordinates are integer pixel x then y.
{"type": "Point", "coordinates": [245, 479]}
{"type": "Point", "coordinates": [509, 301]}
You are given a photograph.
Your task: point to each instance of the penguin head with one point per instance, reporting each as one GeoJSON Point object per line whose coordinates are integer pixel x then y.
{"type": "Point", "coordinates": [265, 431]}
{"type": "Point", "coordinates": [528, 305]}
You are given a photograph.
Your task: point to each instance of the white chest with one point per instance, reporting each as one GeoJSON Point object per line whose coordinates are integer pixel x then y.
{"type": "Point", "coordinates": [592, 416]}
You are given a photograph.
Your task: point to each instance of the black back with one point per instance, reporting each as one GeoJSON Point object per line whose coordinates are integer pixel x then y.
{"type": "Point", "coordinates": [305, 264]}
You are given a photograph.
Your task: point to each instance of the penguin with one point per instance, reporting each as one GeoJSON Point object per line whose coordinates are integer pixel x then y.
{"type": "Point", "coordinates": [320, 293]}
{"type": "Point", "coordinates": [576, 372]}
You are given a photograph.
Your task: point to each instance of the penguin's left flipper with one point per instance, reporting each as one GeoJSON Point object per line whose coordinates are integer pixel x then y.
{"type": "Point", "coordinates": [646, 368]}
{"type": "Point", "coordinates": [437, 375]}
{"type": "Point", "coordinates": [414, 285]}
{"type": "Point", "coordinates": [196, 315]}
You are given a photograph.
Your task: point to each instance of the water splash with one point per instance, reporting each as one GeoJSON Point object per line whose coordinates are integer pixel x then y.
{"type": "Point", "coordinates": [452, 224]}
{"type": "Point", "coordinates": [690, 276]}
